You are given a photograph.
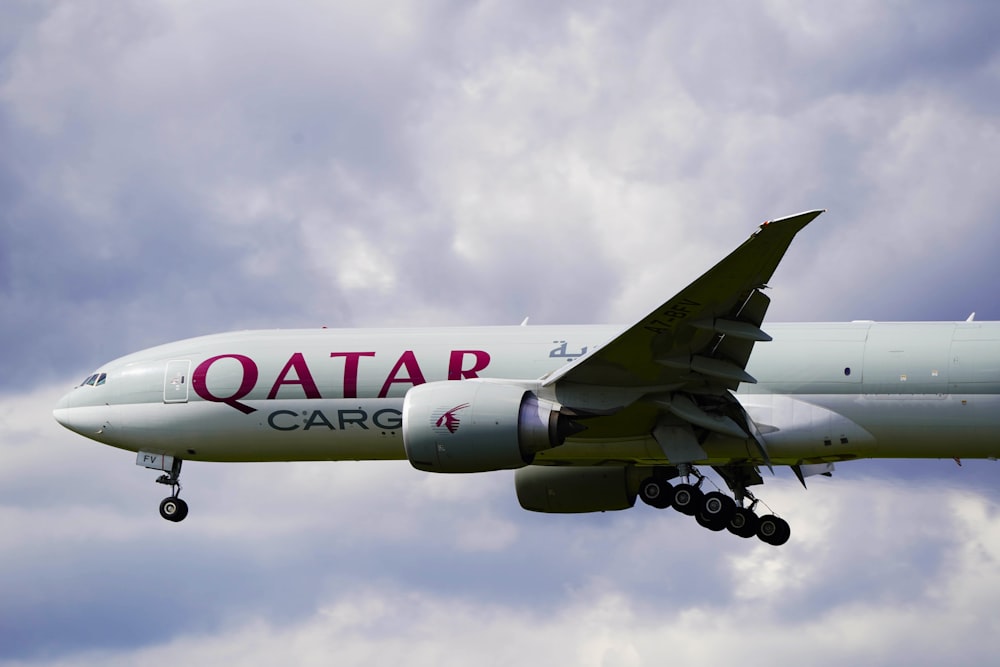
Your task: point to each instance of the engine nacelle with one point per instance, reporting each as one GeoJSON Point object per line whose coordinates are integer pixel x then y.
{"type": "Point", "coordinates": [477, 426]}
{"type": "Point", "coordinates": [571, 489]}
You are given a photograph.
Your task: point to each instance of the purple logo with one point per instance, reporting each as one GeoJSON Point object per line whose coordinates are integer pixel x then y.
{"type": "Point", "coordinates": [449, 420]}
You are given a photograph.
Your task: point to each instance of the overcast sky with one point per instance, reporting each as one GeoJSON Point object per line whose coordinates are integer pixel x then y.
{"type": "Point", "coordinates": [169, 169]}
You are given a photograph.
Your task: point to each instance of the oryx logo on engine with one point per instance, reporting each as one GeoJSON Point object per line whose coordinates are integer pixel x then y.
{"type": "Point", "coordinates": [448, 419]}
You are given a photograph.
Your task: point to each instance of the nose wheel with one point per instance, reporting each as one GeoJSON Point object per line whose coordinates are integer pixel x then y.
{"type": "Point", "coordinates": [172, 508]}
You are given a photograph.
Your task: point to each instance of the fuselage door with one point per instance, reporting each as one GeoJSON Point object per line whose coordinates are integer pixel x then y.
{"type": "Point", "coordinates": [176, 381]}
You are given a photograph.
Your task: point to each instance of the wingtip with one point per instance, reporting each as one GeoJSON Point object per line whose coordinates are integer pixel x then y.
{"type": "Point", "coordinates": [798, 220]}
{"type": "Point", "coordinates": [804, 215]}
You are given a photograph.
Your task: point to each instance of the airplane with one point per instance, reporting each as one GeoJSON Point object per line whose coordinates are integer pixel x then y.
{"type": "Point", "coordinates": [589, 417]}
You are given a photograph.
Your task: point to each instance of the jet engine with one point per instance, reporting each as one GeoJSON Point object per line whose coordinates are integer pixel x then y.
{"type": "Point", "coordinates": [477, 426]}
{"type": "Point", "coordinates": [571, 490]}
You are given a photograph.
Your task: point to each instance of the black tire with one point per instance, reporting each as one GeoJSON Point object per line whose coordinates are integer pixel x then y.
{"type": "Point", "coordinates": [712, 523]}
{"type": "Point", "coordinates": [717, 507]}
{"type": "Point", "coordinates": [784, 532]}
{"type": "Point", "coordinates": [658, 493]}
{"type": "Point", "coordinates": [743, 523]}
{"type": "Point", "coordinates": [687, 499]}
{"type": "Point", "coordinates": [773, 530]}
{"type": "Point", "coordinates": [173, 509]}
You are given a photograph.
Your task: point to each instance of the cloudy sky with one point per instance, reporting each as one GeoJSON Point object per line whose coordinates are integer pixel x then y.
{"type": "Point", "coordinates": [174, 168]}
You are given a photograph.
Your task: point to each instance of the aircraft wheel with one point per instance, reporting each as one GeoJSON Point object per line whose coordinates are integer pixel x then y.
{"type": "Point", "coordinates": [710, 522]}
{"type": "Point", "coordinates": [717, 507]}
{"type": "Point", "coordinates": [173, 509]}
{"type": "Point", "coordinates": [687, 498]}
{"type": "Point", "coordinates": [658, 493]}
{"type": "Point", "coordinates": [773, 530]}
{"type": "Point", "coordinates": [743, 523]}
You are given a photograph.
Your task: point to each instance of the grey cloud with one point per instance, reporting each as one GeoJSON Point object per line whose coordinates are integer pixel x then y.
{"type": "Point", "coordinates": [203, 169]}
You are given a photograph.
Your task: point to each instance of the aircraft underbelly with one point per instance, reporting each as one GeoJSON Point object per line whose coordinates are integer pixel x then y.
{"type": "Point", "coordinates": [925, 426]}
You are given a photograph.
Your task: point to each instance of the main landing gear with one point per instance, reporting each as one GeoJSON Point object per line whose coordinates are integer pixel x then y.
{"type": "Point", "coordinates": [172, 508]}
{"type": "Point", "coordinates": [714, 510]}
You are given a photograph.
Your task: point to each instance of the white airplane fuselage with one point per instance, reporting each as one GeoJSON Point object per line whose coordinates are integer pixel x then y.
{"type": "Point", "coordinates": [825, 392]}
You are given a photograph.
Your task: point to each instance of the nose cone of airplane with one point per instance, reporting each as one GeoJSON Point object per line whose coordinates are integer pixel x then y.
{"type": "Point", "coordinates": [92, 421]}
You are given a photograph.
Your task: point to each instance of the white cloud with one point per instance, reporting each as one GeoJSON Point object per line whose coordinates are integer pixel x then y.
{"type": "Point", "coordinates": [809, 603]}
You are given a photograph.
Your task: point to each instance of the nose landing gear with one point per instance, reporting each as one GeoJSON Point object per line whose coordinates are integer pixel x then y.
{"type": "Point", "coordinates": [172, 508]}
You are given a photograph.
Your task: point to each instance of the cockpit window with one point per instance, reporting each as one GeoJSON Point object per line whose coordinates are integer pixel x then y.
{"type": "Point", "coordinates": [95, 380]}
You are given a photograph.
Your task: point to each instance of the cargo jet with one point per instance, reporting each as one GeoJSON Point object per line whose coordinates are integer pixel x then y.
{"type": "Point", "coordinates": [590, 417]}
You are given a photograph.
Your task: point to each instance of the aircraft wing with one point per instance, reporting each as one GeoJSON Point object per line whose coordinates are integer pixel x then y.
{"type": "Point", "coordinates": [704, 334]}
{"type": "Point", "coordinates": [672, 373]}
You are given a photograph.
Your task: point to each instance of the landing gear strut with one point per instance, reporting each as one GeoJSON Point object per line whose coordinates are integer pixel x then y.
{"type": "Point", "coordinates": [714, 510]}
{"type": "Point", "coordinates": [172, 508]}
